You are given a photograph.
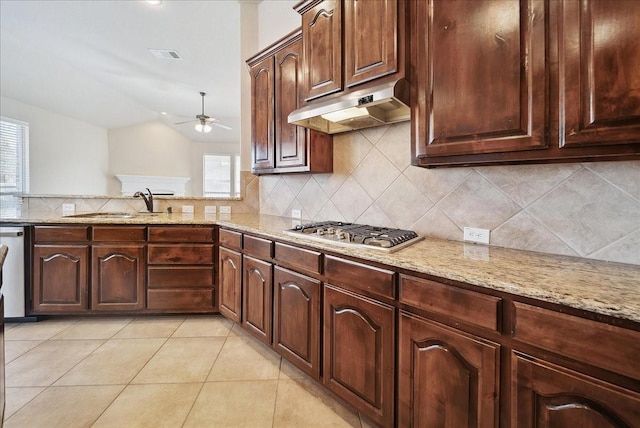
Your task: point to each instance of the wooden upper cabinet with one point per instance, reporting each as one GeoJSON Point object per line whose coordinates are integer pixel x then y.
{"type": "Point", "coordinates": [599, 79]}
{"type": "Point", "coordinates": [276, 91]}
{"type": "Point", "coordinates": [322, 44]}
{"type": "Point", "coordinates": [370, 39]}
{"type": "Point", "coordinates": [480, 76]}
{"type": "Point", "coordinates": [290, 139]}
{"type": "Point", "coordinates": [262, 114]}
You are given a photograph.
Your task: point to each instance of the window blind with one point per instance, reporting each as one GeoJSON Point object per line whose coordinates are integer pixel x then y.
{"type": "Point", "coordinates": [14, 157]}
{"type": "Point", "coordinates": [14, 165]}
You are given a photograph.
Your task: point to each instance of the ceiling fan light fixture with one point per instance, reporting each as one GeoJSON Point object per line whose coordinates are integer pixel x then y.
{"type": "Point", "coordinates": [200, 127]}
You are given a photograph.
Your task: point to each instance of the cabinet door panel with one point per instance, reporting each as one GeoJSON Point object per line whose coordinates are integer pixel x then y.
{"type": "Point", "coordinates": [322, 44]}
{"type": "Point", "coordinates": [599, 81]}
{"type": "Point", "coordinates": [60, 278]}
{"type": "Point", "coordinates": [118, 277]}
{"type": "Point", "coordinates": [446, 377]}
{"type": "Point", "coordinates": [545, 395]}
{"type": "Point", "coordinates": [370, 29]}
{"type": "Point", "coordinates": [481, 76]}
{"type": "Point", "coordinates": [256, 298]}
{"type": "Point", "coordinates": [296, 319]}
{"type": "Point", "coordinates": [290, 139]}
{"type": "Point", "coordinates": [230, 283]}
{"type": "Point", "coordinates": [262, 114]}
{"type": "Point", "coordinates": [359, 352]}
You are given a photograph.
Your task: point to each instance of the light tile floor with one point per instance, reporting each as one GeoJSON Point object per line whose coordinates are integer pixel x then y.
{"type": "Point", "coordinates": [196, 371]}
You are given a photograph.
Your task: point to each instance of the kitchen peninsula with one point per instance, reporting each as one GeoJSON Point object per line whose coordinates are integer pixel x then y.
{"type": "Point", "coordinates": [518, 324]}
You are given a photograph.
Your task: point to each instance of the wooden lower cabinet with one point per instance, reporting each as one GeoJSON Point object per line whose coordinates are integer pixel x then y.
{"type": "Point", "coordinates": [257, 297]}
{"type": "Point", "coordinates": [296, 319]}
{"type": "Point", "coordinates": [446, 378]}
{"type": "Point", "coordinates": [117, 277]}
{"type": "Point", "coordinates": [545, 395]}
{"type": "Point", "coordinates": [230, 284]}
{"type": "Point", "coordinates": [181, 269]}
{"type": "Point", "coordinates": [359, 342]}
{"type": "Point", "coordinates": [60, 278]}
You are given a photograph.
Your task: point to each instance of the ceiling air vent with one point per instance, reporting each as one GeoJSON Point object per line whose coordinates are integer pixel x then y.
{"type": "Point", "coordinates": [165, 54]}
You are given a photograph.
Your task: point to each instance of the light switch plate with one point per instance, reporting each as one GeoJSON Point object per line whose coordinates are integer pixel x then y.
{"type": "Point", "coordinates": [187, 209]}
{"type": "Point", "coordinates": [69, 208]}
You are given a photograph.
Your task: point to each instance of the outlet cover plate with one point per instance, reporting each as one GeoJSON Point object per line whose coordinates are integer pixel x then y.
{"type": "Point", "coordinates": [225, 209]}
{"type": "Point", "coordinates": [188, 209]}
{"type": "Point", "coordinates": [475, 234]}
{"type": "Point", "coordinates": [296, 213]}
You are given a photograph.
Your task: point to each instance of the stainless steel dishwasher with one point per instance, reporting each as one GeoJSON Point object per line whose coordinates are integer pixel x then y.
{"type": "Point", "coordinates": [13, 286]}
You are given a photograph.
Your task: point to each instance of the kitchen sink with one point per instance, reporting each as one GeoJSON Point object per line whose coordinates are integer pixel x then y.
{"type": "Point", "coordinates": [111, 215]}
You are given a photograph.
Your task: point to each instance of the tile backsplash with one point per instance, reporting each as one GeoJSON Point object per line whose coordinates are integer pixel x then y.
{"type": "Point", "coordinates": [589, 210]}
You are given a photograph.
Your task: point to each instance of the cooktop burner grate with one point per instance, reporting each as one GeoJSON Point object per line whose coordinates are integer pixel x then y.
{"type": "Point", "coordinates": [356, 235]}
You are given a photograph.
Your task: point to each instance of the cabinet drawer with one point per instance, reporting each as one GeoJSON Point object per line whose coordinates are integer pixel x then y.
{"type": "Point", "coordinates": [298, 257]}
{"type": "Point", "coordinates": [119, 233]}
{"type": "Point", "coordinates": [359, 277]}
{"type": "Point", "coordinates": [257, 247]}
{"type": "Point", "coordinates": [180, 300]}
{"type": "Point", "coordinates": [464, 305]}
{"type": "Point", "coordinates": [180, 277]}
{"type": "Point", "coordinates": [180, 234]}
{"type": "Point", "coordinates": [230, 239]}
{"type": "Point", "coordinates": [195, 254]}
{"type": "Point", "coordinates": [602, 345]}
{"type": "Point", "coordinates": [61, 233]}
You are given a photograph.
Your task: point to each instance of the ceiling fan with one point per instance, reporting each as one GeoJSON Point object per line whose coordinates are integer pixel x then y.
{"type": "Point", "coordinates": [204, 121]}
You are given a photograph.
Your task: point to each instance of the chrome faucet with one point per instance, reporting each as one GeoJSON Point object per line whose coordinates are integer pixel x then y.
{"type": "Point", "coordinates": [148, 199]}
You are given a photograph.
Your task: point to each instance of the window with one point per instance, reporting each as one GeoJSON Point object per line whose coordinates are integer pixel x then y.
{"type": "Point", "coordinates": [221, 174]}
{"type": "Point", "coordinates": [14, 165]}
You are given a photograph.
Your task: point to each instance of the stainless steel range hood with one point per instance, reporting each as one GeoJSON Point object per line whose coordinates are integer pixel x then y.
{"type": "Point", "coordinates": [364, 108]}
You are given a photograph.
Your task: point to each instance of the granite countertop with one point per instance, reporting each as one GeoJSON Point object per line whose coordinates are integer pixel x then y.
{"type": "Point", "coordinates": [601, 287]}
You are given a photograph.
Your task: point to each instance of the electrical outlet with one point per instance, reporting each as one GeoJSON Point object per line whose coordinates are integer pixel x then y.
{"type": "Point", "coordinates": [188, 209]}
{"type": "Point", "coordinates": [210, 209]}
{"type": "Point", "coordinates": [474, 234]}
{"type": "Point", "coordinates": [69, 208]}
{"type": "Point", "coordinates": [296, 213]}
{"type": "Point", "coordinates": [225, 209]}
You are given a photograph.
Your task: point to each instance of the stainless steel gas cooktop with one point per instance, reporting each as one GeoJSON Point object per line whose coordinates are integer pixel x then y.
{"type": "Point", "coordinates": [356, 235]}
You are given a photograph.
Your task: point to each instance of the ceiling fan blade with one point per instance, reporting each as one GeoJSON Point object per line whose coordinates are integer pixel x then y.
{"type": "Point", "coordinates": [219, 125]}
{"type": "Point", "coordinates": [186, 121]}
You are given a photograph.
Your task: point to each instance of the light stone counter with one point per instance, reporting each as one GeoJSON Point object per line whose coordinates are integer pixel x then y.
{"type": "Point", "coordinates": [605, 288]}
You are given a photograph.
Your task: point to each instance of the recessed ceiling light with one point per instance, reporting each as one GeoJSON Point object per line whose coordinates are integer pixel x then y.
{"type": "Point", "coordinates": [165, 54]}
{"type": "Point", "coordinates": [163, 112]}
{"type": "Point", "coordinates": [154, 2]}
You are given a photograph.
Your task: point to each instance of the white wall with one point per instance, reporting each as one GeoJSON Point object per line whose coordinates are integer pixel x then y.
{"type": "Point", "coordinates": [67, 156]}
{"type": "Point", "coordinates": [155, 149]}
{"type": "Point", "coordinates": [275, 19]}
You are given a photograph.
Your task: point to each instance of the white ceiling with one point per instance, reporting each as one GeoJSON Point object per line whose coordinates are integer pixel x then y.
{"type": "Point", "coordinates": [90, 60]}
